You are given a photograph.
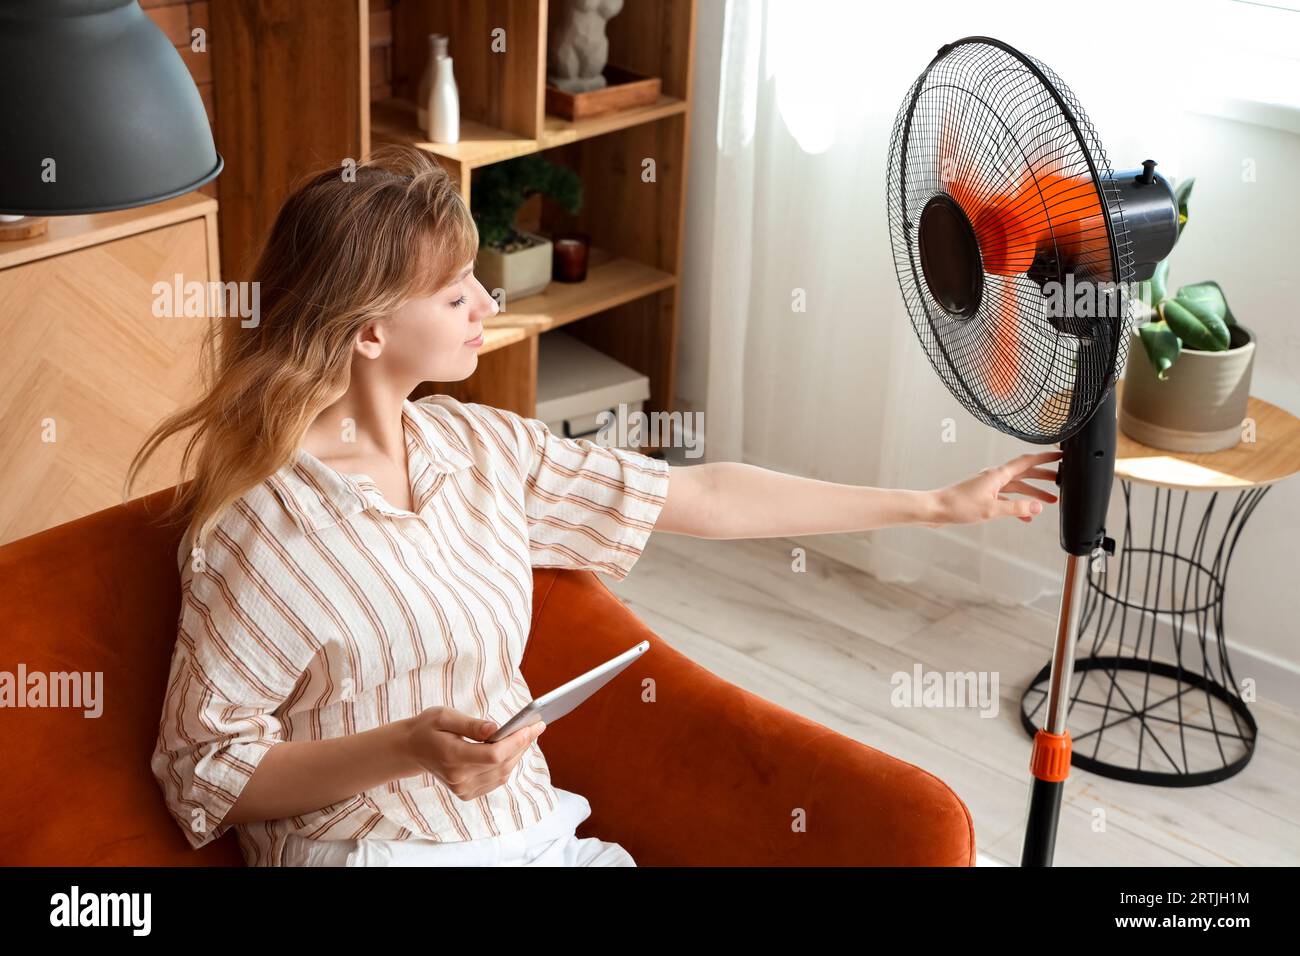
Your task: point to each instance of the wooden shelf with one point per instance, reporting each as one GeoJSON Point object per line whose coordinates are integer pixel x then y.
{"type": "Point", "coordinates": [611, 281]}
{"type": "Point", "coordinates": [394, 121]}
{"type": "Point", "coordinates": [557, 131]}
{"type": "Point", "coordinates": [500, 336]}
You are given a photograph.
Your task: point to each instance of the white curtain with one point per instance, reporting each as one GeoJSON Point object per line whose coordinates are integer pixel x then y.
{"type": "Point", "coordinates": [842, 391]}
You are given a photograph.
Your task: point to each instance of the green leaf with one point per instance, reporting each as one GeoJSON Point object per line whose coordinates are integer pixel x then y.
{"type": "Point", "coordinates": [1195, 325]}
{"type": "Point", "coordinates": [1162, 346]}
{"type": "Point", "coordinates": [1181, 195]}
{"type": "Point", "coordinates": [1155, 289]}
{"type": "Point", "coordinates": [1210, 296]}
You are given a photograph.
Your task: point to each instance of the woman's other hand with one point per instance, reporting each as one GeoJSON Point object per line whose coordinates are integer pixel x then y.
{"type": "Point", "coordinates": [984, 496]}
{"type": "Point", "coordinates": [435, 741]}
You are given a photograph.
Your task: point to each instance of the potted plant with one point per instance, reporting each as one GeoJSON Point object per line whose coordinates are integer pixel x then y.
{"type": "Point", "coordinates": [513, 260]}
{"type": "Point", "coordinates": [1188, 379]}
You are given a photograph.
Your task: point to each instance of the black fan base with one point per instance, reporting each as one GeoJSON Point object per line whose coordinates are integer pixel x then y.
{"type": "Point", "coordinates": [1162, 733]}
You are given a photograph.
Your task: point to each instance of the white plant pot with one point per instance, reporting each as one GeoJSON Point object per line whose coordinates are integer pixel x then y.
{"type": "Point", "coordinates": [520, 273]}
{"type": "Point", "coordinates": [1200, 405]}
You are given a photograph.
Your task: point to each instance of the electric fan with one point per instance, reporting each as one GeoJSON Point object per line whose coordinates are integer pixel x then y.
{"type": "Point", "coordinates": [1015, 246]}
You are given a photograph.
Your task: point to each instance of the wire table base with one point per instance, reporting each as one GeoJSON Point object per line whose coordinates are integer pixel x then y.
{"type": "Point", "coordinates": [1153, 699]}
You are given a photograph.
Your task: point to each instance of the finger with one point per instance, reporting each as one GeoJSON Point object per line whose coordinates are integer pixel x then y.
{"type": "Point", "coordinates": [515, 743]}
{"type": "Point", "coordinates": [1025, 518]}
{"type": "Point", "coordinates": [1019, 507]}
{"type": "Point", "coordinates": [493, 775]}
{"type": "Point", "coordinates": [474, 754]}
{"type": "Point", "coordinates": [453, 721]}
{"type": "Point", "coordinates": [463, 752]}
{"type": "Point", "coordinates": [1046, 474]}
{"type": "Point", "coordinates": [488, 780]}
{"type": "Point", "coordinates": [1023, 463]}
{"type": "Point", "coordinates": [1020, 487]}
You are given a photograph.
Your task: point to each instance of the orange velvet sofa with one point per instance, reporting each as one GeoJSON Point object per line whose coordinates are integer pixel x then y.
{"type": "Point", "coordinates": [706, 774]}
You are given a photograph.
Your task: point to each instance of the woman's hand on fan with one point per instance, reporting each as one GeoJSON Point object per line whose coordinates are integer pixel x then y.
{"type": "Point", "coordinates": [985, 496]}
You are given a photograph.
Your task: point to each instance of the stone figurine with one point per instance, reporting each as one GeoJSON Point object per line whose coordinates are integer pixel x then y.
{"type": "Point", "coordinates": [577, 47]}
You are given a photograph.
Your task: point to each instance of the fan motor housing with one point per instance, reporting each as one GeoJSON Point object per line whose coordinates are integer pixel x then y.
{"type": "Point", "coordinates": [1151, 214]}
{"type": "Point", "coordinates": [950, 256]}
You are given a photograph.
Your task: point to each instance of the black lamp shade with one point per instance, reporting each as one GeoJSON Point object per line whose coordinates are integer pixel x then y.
{"type": "Point", "coordinates": [97, 110]}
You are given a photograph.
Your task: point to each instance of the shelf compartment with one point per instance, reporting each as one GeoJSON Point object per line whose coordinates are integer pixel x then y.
{"type": "Point", "coordinates": [611, 281]}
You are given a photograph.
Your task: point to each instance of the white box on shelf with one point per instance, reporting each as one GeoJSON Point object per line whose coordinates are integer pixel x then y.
{"type": "Point", "coordinates": [577, 383]}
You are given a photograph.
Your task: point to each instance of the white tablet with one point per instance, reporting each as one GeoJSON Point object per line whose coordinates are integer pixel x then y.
{"type": "Point", "coordinates": [554, 705]}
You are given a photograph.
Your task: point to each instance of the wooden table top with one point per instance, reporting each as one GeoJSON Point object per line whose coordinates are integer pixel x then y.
{"type": "Point", "coordinates": [1274, 455]}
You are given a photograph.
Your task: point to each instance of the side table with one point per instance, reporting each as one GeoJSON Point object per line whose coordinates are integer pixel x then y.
{"type": "Point", "coordinates": [1154, 699]}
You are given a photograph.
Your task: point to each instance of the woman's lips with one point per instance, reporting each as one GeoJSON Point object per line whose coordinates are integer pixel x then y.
{"type": "Point", "coordinates": [476, 342]}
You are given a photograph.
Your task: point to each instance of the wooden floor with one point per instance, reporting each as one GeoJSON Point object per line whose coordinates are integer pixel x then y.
{"type": "Point", "coordinates": [826, 642]}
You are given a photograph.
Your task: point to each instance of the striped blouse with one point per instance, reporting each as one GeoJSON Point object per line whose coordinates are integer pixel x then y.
{"type": "Point", "coordinates": [317, 609]}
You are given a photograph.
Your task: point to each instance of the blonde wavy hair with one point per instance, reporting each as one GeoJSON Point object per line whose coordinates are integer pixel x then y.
{"type": "Point", "coordinates": [344, 250]}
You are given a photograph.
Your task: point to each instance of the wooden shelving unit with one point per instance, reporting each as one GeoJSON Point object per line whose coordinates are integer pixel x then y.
{"type": "Point", "coordinates": [628, 306]}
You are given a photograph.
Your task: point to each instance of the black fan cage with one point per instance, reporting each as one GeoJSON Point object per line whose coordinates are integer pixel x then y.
{"type": "Point", "coordinates": [1043, 325]}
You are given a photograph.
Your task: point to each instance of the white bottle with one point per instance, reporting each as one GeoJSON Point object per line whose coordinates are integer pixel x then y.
{"type": "Point", "coordinates": [444, 105]}
{"type": "Point", "coordinates": [437, 50]}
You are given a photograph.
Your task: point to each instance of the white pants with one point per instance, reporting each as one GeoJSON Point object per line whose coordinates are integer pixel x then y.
{"type": "Point", "coordinates": [549, 842]}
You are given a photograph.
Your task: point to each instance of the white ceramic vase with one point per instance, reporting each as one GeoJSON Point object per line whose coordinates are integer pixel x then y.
{"type": "Point", "coordinates": [443, 105]}
{"type": "Point", "coordinates": [437, 50]}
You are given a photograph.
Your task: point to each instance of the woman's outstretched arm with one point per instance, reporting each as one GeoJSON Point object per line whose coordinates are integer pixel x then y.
{"type": "Point", "coordinates": [736, 500]}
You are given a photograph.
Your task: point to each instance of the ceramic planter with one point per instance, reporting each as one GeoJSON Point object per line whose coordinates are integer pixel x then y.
{"type": "Point", "coordinates": [1200, 405]}
{"type": "Point", "coordinates": [520, 273]}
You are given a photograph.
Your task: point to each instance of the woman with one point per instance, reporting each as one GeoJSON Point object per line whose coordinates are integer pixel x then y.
{"type": "Point", "coordinates": [357, 568]}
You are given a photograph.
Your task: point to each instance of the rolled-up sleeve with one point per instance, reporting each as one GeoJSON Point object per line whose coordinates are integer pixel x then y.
{"type": "Point", "coordinates": [589, 506]}
{"type": "Point", "coordinates": [227, 678]}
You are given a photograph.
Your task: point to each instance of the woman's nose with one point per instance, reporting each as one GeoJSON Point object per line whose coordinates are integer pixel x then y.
{"type": "Point", "coordinates": [496, 306]}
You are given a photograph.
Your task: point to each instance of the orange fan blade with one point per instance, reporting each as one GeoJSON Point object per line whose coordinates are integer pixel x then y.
{"type": "Point", "coordinates": [954, 175]}
{"type": "Point", "coordinates": [1073, 209]}
{"type": "Point", "coordinates": [1008, 235]}
{"type": "Point", "coordinates": [1012, 227]}
{"type": "Point", "coordinates": [1004, 364]}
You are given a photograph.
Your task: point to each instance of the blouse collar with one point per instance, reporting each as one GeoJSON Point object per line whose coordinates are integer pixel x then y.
{"type": "Point", "coordinates": [318, 497]}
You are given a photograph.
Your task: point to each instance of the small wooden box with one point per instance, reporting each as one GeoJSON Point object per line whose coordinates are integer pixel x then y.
{"type": "Point", "coordinates": [625, 90]}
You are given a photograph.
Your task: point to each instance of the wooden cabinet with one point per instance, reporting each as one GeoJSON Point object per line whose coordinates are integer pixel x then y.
{"type": "Point", "coordinates": [88, 368]}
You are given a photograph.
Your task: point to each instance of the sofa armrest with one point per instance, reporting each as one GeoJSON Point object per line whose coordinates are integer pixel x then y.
{"type": "Point", "coordinates": [95, 596]}
{"type": "Point", "coordinates": [684, 768]}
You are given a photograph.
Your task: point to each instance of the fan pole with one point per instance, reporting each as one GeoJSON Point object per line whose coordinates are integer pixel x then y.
{"type": "Point", "coordinates": [1085, 474]}
{"type": "Point", "coordinates": [1050, 763]}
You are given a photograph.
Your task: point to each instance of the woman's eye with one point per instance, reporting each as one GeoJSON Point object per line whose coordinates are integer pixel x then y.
{"type": "Point", "coordinates": [458, 303]}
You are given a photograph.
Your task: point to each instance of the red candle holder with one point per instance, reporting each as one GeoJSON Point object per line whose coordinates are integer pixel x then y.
{"type": "Point", "coordinates": [569, 263]}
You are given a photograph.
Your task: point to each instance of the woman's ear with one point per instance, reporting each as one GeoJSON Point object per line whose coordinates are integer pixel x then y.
{"type": "Point", "coordinates": [370, 340]}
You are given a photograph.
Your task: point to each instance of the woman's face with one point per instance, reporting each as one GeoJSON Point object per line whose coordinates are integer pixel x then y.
{"type": "Point", "coordinates": [436, 338]}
